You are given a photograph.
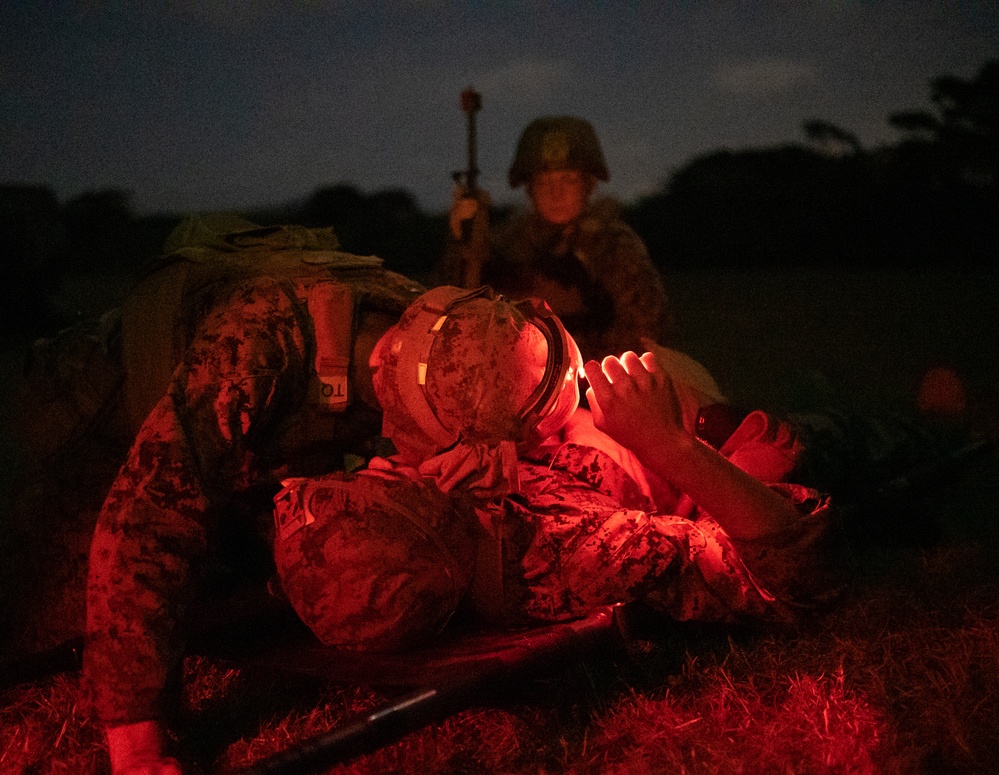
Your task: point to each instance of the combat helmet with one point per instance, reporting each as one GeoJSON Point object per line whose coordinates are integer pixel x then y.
{"type": "Point", "coordinates": [471, 366]}
{"type": "Point", "coordinates": [371, 560]}
{"type": "Point", "coordinates": [557, 143]}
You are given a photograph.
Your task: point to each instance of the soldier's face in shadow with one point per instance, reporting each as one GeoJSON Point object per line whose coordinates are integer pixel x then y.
{"type": "Point", "coordinates": [560, 196]}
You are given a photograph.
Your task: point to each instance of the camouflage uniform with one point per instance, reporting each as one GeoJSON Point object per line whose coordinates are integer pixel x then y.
{"type": "Point", "coordinates": [234, 422]}
{"type": "Point", "coordinates": [583, 534]}
{"type": "Point", "coordinates": [569, 519]}
{"type": "Point", "coordinates": [570, 530]}
{"type": "Point", "coordinates": [595, 273]}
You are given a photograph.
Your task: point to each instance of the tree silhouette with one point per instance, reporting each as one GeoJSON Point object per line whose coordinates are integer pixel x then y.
{"type": "Point", "coordinates": [388, 224]}
{"type": "Point", "coordinates": [32, 243]}
{"type": "Point", "coordinates": [98, 223]}
{"type": "Point", "coordinates": [930, 198]}
{"type": "Point", "coordinates": [963, 135]}
{"type": "Point", "coordinates": [947, 164]}
{"type": "Point", "coordinates": [831, 139]}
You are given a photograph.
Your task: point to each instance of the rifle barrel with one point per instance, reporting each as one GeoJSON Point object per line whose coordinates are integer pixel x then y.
{"type": "Point", "coordinates": [532, 652]}
{"type": "Point", "coordinates": [471, 103]}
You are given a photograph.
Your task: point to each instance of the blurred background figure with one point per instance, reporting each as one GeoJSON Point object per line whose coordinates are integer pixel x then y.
{"type": "Point", "coordinates": [571, 249]}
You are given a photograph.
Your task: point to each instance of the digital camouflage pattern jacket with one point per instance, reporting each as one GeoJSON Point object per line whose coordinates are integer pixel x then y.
{"type": "Point", "coordinates": [569, 528]}
{"type": "Point", "coordinates": [582, 535]}
{"type": "Point", "coordinates": [595, 273]}
{"type": "Point", "coordinates": [234, 422]}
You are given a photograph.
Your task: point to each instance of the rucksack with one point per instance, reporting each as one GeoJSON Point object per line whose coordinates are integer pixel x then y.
{"type": "Point", "coordinates": [106, 375]}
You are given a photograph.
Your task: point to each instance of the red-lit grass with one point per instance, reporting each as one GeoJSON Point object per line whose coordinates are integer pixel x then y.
{"type": "Point", "coordinates": [811, 724]}
{"type": "Point", "coordinates": [43, 729]}
{"type": "Point", "coordinates": [901, 678]}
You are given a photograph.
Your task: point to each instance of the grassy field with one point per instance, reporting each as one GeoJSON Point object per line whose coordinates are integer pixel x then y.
{"type": "Point", "coordinates": [902, 677]}
{"type": "Point", "coordinates": [868, 334]}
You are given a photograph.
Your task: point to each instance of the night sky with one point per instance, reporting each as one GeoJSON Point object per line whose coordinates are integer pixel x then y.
{"type": "Point", "coordinates": [214, 105]}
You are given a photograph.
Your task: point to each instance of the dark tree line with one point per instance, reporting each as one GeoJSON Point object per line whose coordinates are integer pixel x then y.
{"type": "Point", "coordinates": [930, 198]}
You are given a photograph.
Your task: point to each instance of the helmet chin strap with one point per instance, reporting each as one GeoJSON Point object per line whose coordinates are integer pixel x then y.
{"type": "Point", "coordinates": [558, 368]}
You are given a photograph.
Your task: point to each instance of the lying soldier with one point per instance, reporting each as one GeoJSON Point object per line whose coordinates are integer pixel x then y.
{"type": "Point", "coordinates": [500, 495]}
{"type": "Point", "coordinates": [505, 497]}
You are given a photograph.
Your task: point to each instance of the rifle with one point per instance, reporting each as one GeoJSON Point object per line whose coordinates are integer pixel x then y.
{"type": "Point", "coordinates": [473, 248]}
{"type": "Point", "coordinates": [467, 678]}
{"type": "Point", "coordinates": [471, 103]}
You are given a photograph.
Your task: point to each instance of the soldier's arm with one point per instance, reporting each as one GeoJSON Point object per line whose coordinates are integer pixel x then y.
{"type": "Point", "coordinates": [195, 448]}
{"type": "Point", "coordinates": [634, 402]}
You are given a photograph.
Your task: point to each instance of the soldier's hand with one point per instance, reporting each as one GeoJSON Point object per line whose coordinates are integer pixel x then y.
{"type": "Point", "coordinates": [633, 401]}
{"type": "Point", "coordinates": [469, 212]}
{"type": "Point", "coordinates": [138, 749]}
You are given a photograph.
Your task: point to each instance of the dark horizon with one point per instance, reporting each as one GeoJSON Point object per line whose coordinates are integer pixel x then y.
{"type": "Point", "coordinates": [178, 107]}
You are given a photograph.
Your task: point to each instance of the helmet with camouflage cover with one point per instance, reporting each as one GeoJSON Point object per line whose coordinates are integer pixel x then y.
{"type": "Point", "coordinates": [372, 561]}
{"type": "Point", "coordinates": [471, 366]}
{"type": "Point", "coordinates": [557, 143]}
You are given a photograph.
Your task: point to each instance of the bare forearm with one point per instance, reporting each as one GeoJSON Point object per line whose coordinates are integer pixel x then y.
{"type": "Point", "coordinates": [636, 404]}
{"type": "Point", "coordinates": [744, 506]}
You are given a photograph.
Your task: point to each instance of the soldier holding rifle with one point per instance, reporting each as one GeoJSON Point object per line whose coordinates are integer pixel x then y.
{"type": "Point", "coordinates": [570, 249]}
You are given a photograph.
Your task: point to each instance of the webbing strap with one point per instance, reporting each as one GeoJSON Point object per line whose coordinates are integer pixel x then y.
{"type": "Point", "coordinates": [331, 306]}
{"type": "Point", "coordinates": [488, 597]}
